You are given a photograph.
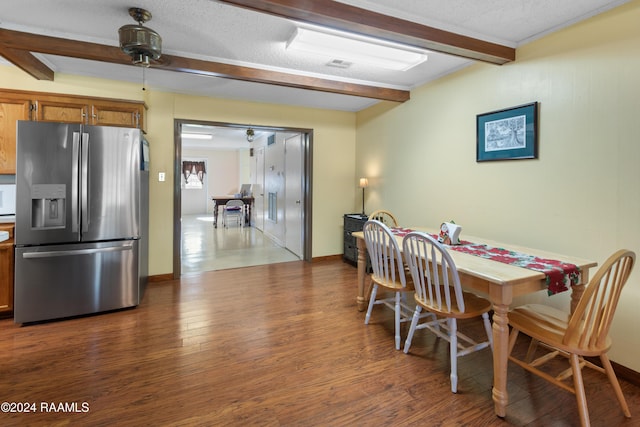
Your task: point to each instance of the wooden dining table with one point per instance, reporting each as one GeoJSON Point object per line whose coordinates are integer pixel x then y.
{"type": "Point", "coordinates": [500, 282]}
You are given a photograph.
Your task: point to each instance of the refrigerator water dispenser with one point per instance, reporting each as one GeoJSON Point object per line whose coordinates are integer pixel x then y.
{"type": "Point", "coordinates": [48, 204]}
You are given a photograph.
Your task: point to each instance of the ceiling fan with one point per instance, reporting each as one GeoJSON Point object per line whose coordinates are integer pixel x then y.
{"type": "Point", "coordinates": [139, 42]}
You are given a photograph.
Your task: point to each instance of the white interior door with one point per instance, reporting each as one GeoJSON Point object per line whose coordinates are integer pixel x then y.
{"type": "Point", "coordinates": [258, 190]}
{"type": "Point", "coordinates": [293, 194]}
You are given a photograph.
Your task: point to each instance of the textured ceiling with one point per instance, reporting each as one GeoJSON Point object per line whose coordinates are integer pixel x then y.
{"type": "Point", "coordinates": [215, 31]}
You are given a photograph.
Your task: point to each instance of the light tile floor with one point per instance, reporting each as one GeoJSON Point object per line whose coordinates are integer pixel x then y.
{"type": "Point", "coordinates": [205, 248]}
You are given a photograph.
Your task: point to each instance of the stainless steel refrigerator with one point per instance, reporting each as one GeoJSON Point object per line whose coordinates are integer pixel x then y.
{"type": "Point", "coordinates": [78, 220]}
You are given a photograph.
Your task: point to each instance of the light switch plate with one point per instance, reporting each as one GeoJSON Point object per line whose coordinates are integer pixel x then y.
{"type": "Point", "coordinates": [161, 176]}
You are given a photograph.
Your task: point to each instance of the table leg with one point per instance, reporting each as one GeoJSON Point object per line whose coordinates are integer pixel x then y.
{"type": "Point", "coordinates": [501, 301]}
{"type": "Point", "coordinates": [215, 214]}
{"type": "Point", "coordinates": [578, 289]}
{"type": "Point", "coordinates": [501, 297]}
{"type": "Point", "coordinates": [362, 273]}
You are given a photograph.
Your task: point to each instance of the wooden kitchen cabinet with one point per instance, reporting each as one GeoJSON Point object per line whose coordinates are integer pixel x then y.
{"type": "Point", "coordinates": [50, 107]}
{"type": "Point", "coordinates": [6, 271]}
{"type": "Point", "coordinates": [59, 110]}
{"type": "Point", "coordinates": [12, 108]}
{"type": "Point", "coordinates": [106, 113]}
{"type": "Point", "coordinates": [91, 111]}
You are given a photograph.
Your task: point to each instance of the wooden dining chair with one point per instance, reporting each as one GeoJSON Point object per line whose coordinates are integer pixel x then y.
{"type": "Point", "coordinates": [438, 291]}
{"type": "Point", "coordinates": [385, 217]}
{"type": "Point", "coordinates": [388, 273]}
{"type": "Point", "coordinates": [582, 334]}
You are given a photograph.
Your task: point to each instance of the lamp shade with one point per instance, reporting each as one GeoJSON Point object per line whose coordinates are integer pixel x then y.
{"type": "Point", "coordinates": [364, 182]}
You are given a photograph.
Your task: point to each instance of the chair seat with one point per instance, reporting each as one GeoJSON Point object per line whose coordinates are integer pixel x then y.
{"type": "Point", "coordinates": [549, 325]}
{"type": "Point", "coordinates": [394, 286]}
{"type": "Point", "coordinates": [473, 306]}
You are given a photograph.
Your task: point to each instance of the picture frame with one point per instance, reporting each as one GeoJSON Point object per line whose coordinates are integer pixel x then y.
{"type": "Point", "coordinates": [508, 134]}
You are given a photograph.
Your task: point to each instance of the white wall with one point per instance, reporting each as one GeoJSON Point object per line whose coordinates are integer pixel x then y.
{"type": "Point", "coordinates": [580, 197]}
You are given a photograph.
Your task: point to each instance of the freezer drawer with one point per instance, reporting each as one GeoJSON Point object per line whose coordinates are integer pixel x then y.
{"type": "Point", "coordinates": [59, 281]}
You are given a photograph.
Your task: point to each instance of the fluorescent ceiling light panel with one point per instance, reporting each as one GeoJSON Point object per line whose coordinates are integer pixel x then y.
{"type": "Point", "coordinates": [357, 49]}
{"type": "Point", "coordinates": [196, 135]}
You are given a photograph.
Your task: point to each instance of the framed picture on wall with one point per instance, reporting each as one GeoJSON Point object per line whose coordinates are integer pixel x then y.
{"type": "Point", "coordinates": [508, 134]}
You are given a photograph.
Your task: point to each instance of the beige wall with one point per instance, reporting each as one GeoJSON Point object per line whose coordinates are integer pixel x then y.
{"type": "Point", "coordinates": [333, 176]}
{"type": "Point", "coordinates": [580, 197]}
{"type": "Point", "coordinates": [333, 132]}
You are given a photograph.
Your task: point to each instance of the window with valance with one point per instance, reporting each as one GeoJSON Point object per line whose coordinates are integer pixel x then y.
{"type": "Point", "coordinates": [193, 172]}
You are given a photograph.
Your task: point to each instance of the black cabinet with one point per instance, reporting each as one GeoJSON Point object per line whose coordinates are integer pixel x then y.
{"type": "Point", "coordinates": [352, 222]}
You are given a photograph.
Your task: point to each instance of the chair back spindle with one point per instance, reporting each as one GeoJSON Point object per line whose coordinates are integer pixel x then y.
{"type": "Point", "coordinates": [436, 278]}
{"type": "Point", "coordinates": [384, 252]}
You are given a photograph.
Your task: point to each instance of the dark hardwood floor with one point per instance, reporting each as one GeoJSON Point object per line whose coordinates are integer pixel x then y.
{"type": "Point", "coordinates": [272, 345]}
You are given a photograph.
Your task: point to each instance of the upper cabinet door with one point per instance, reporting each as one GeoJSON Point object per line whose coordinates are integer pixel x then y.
{"type": "Point", "coordinates": [116, 114]}
{"type": "Point", "coordinates": [63, 111]}
{"type": "Point", "coordinates": [11, 110]}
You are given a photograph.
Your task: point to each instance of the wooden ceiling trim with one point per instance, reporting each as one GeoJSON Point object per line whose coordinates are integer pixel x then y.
{"type": "Point", "coordinates": [350, 18]}
{"type": "Point", "coordinates": [27, 63]}
{"type": "Point", "coordinates": [63, 47]}
{"type": "Point", "coordinates": [25, 42]}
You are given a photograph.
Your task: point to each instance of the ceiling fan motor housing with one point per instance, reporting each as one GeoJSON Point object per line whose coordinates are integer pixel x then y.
{"type": "Point", "coordinates": [141, 43]}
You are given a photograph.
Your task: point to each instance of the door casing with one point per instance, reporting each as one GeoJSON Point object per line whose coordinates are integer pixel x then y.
{"type": "Point", "coordinates": [307, 185]}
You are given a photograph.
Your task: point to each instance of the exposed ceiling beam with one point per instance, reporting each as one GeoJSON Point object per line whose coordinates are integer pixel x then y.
{"type": "Point", "coordinates": [25, 43]}
{"type": "Point", "coordinates": [27, 62]}
{"type": "Point", "coordinates": [349, 18]}
{"type": "Point", "coordinates": [196, 66]}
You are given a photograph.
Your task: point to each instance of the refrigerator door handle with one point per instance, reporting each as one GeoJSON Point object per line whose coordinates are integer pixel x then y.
{"type": "Point", "coordinates": [50, 254]}
{"type": "Point", "coordinates": [75, 213]}
{"type": "Point", "coordinates": [84, 195]}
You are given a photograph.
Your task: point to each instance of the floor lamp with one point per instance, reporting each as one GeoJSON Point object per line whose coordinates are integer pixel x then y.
{"type": "Point", "coordinates": [364, 183]}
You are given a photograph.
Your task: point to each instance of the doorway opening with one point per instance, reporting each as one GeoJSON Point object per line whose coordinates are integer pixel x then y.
{"type": "Point", "coordinates": [281, 156]}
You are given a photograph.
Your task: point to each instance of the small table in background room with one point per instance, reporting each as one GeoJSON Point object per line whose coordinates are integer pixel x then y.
{"type": "Point", "coordinates": [222, 200]}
